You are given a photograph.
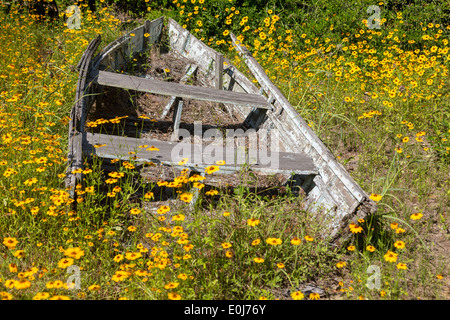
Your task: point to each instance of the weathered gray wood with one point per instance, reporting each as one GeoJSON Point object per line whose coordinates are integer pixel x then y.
{"type": "Point", "coordinates": [219, 71]}
{"type": "Point", "coordinates": [145, 44]}
{"type": "Point", "coordinates": [199, 156]}
{"type": "Point", "coordinates": [172, 102]}
{"type": "Point", "coordinates": [176, 119]}
{"type": "Point", "coordinates": [180, 90]}
{"type": "Point", "coordinates": [156, 28]}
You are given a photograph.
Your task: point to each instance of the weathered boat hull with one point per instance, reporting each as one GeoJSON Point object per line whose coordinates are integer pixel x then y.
{"type": "Point", "coordinates": [332, 190]}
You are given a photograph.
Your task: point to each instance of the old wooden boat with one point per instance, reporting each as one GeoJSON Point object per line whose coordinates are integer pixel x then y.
{"type": "Point", "coordinates": [260, 107]}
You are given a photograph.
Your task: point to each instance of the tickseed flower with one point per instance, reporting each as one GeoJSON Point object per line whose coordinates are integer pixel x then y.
{"type": "Point", "coordinates": [171, 285]}
{"type": "Point", "coordinates": [341, 264]}
{"type": "Point", "coordinates": [5, 296]}
{"type": "Point", "coordinates": [75, 253]}
{"type": "Point", "coordinates": [226, 245]}
{"type": "Point", "coordinates": [19, 254]}
{"type": "Point", "coordinates": [220, 162]}
{"type": "Point", "coordinates": [178, 217]}
{"type": "Point", "coordinates": [402, 266]}
{"type": "Point", "coordinates": [252, 222]}
{"type": "Point", "coordinates": [390, 256]}
{"type": "Point", "coordinates": [256, 242]}
{"type": "Point", "coordinates": [258, 260]}
{"type": "Point", "coordinates": [212, 192]}
{"type": "Point", "coordinates": [399, 244]}
{"type": "Point", "coordinates": [22, 284]}
{"type": "Point", "coordinates": [65, 262]}
{"type": "Point", "coordinates": [375, 197]}
{"type": "Point", "coordinates": [186, 197]}
{"type": "Point", "coordinates": [355, 228]}
{"type": "Point", "coordinates": [229, 254]}
{"type": "Point", "coordinates": [399, 230]}
{"type": "Point", "coordinates": [173, 296]}
{"type": "Point", "coordinates": [314, 296]}
{"type": "Point", "coordinates": [10, 284]}
{"type": "Point", "coordinates": [148, 195]}
{"type": "Point", "coordinates": [10, 242]}
{"type": "Point", "coordinates": [394, 225]}
{"type": "Point", "coordinates": [131, 228]}
{"type": "Point", "coordinates": [41, 296]}
{"type": "Point", "coordinates": [308, 238]}
{"type": "Point", "coordinates": [163, 209]}
{"type": "Point", "coordinates": [152, 148]}
{"type": "Point", "coordinates": [135, 211]}
{"type": "Point", "coordinates": [94, 287]}
{"type": "Point", "coordinates": [12, 267]}
{"type": "Point", "coordinates": [133, 255]}
{"type": "Point", "coordinates": [296, 241]}
{"type": "Point", "coordinates": [370, 248]}
{"type": "Point", "coordinates": [183, 161]}
{"type": "Point", "coordinates": [416, 216]}
{"type": "Point", "coordinates": [351, 248]}
{"type": "Point", "coordinates": [226, 213]}
{"type": "Point", "coordinates": [274, 241]}
{"type": "Point", "coordinates": [297, 295]}
{"type": "Point", "coordinates": [182, 276]}
{"type": "Point", "coordinates": [198, 185]}
{"type": "Point", "coordinates": [211, 169]}
{"type": "Point", "coordinates": [196, 177]}
{"type": "Point", "coordinates": [59, 297]}
{"type": "Point", "coordinates": [119, 276]}
{"type": "Point", "coordinates": [280, 265]}
{"type": "Point", "coordinates": [118, 258]}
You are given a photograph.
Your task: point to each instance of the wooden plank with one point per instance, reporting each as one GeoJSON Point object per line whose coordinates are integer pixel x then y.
{"type": "Point", "coordinates": [180, 90]}
{"type": "Point", "coordinates": [199, 156]}
{"type": "Point", "coordinates": [172, 102]}
{"type": "Point", "coordinates": [219, 71]}
{"type": "Point", "coordinates": [177, 119]}
{"type": "Point", "coordinates": [156, 27]}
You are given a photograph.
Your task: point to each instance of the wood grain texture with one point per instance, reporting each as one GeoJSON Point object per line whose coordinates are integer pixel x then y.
{"type": "Point", "coordinates": [199, 156]}
{"type": "Point", "coordinates": [180, 90]}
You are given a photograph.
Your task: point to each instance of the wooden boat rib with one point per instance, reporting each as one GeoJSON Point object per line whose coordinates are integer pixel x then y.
{"type": "Point", "coordinates": [328, 186]}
